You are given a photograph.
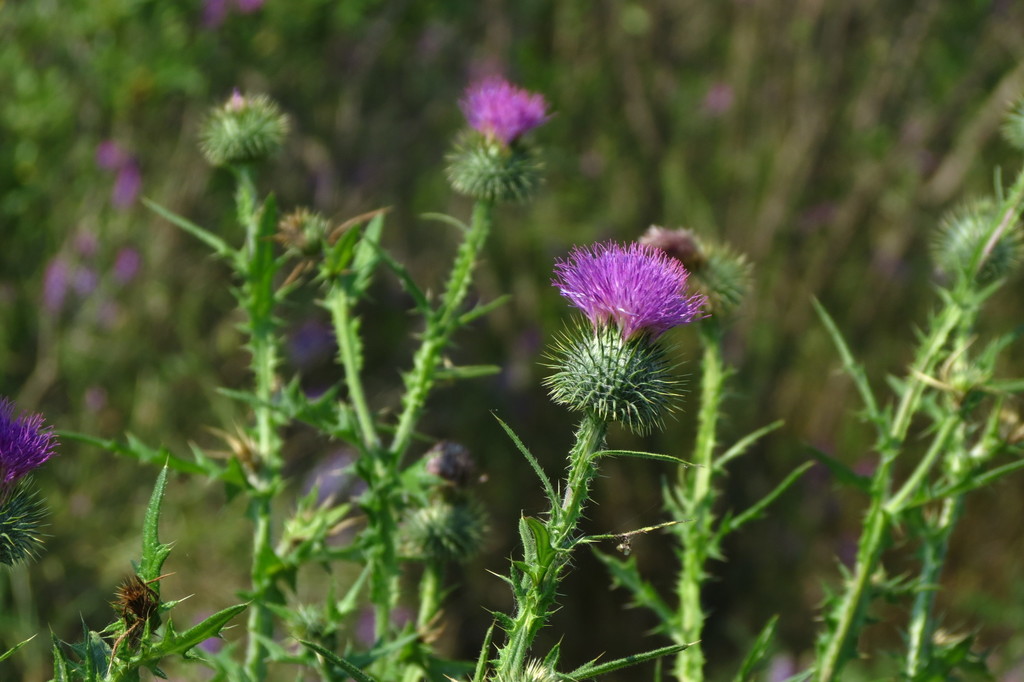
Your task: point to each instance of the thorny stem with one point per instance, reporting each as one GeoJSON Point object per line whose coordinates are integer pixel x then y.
{"type": "Point", "coordinates": [439, 329]}
{"type": "Point", "coordinates": [341, 315]}
{"type": "Point", "coordinates": [258, 298]}
{"type": "Point", "coordinates": [696, 491]}
{"type": "Point", "coordinates": [533, 607]}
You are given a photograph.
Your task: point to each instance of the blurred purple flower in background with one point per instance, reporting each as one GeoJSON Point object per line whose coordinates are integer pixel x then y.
{"type": "Point", "coordinates": [718, 99]}
{"type": "Point", "coordinates": [311, 343]}
{"type": "Point", "coordinates": [498, 109]}
{"type": "Point", "coordinates": [637, 287]}
{"type": "Point", "coordinates": [128, 182]}
{"type": "Point", "coordinates": [56, 281]}
{"type": "Point", "coordinates": [126, 264]}
{"type": "Point", "coordinates": [24, 444]}
{"type": "Point", "coordinates": [216, 11]}
{"type": "Point", "coordinates": [84, 280]}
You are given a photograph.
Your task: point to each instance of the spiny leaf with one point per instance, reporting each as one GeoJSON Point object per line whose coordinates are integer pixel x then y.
{"type": "Point", "coordinates": [14, 648]}
{"type": "Point", "coordinates": [353, 671]}
{"type": "Point", "coordinates": [755, 510]}
{"type": "Point", "coordinates": [218, 245]}
{"type": "Point", "coordinates": [549, 489]}
{"type": "Point", "coordinates": [593, 669]}
{"type": "Point", "coordinates": [154, 552]}
{"type": "Point", "coordinates": [755, 658]}
{"type": "Point", "coordinates": [643, 455]}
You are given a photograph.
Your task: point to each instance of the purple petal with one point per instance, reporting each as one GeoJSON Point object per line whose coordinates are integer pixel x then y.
{"type": "Point", "coordinates": [636, 287]}
{"type": "Point", "coordinates": [127, 185]}
{"type": "Point", "coordinates": [24, 443]}
{"type": "Point", "coordinates": [500, 110]}
{"type": "Point", "coordinates": [126, 264]}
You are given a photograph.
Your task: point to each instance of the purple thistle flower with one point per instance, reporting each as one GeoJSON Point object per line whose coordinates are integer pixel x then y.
{"type": "Point", "coordinates": [637, 287]}
{"type": "Point", "coordinates": [24, 444]}
{"type": "Point", "coordinates": [502, 111]}
{"type": "Point", "coordinates": [127, 184]}
{"type": "Point", "coordinates": [56, 282]}
{"type": "Point", "coordinates": [126, 264]}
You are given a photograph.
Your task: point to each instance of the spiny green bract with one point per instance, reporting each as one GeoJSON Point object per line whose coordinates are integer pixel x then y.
{"type": "Point", "coordinates": [630, 382]}
{"type": "Point", "coordinates": [22, 516]}
{"type": "Point", "coordinates": [485, 169]}
{"type": "Point", "coordinates": [967, 230]}
{"type": "Point", "coordinates": [444, 531]}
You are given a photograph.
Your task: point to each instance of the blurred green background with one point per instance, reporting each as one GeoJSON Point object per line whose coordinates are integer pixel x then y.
{"type": "Point", "coordinates": [823, 139]}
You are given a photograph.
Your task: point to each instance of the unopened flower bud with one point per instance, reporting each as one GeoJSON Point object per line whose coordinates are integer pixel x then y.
{"type": "Point", "coordinates": [534, 671]}
{"type": "Point", "coordinates": [966, 235]}
{"type": "Point", "coordinates": [451, 462]}
{"type": "Point", "coordinates": [443, 531]}
{"type": "Point", "coordinates": [718, 272]}
{"type": "Point", "coordinates": [245, 129]}
{"type": "Point", "coordinates": [303, 233]}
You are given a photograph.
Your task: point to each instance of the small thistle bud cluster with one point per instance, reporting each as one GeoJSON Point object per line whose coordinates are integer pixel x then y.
{"type": "Point", "coordinates": [717, 272]}
{"type": "Point", "coordinates": [246, 129]}
{"type": "Point", "coordinates": [25, 444]}
{"type": "Point", "coordinates": [490, 161]}
{"type": "Point", "coordinates": [303, 233]}
{"type": "Point", "coordinates": [452, 526]}
{"type": "Point", "coordinates": [615, 368]}
{"type": "Point", "coordinates": [968, 229]}
{"type": "Point", "coordinates": [444, 531]}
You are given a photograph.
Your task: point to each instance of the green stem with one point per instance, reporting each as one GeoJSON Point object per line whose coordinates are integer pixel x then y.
{"type": "Point", "coordinates": [258, 298]}
{"type": "Point", "coordinates": [430, 605]}
{"type": "Point", "coordinates": [695, 484]}
{"type": "Point", "coordinates": [440, 326]}
{"type": "Point", "coordinates": [534, 604]}
{"type": "Point", "coordinates": [922, 625]}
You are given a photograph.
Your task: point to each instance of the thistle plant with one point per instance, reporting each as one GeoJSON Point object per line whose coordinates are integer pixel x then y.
{"type": "Point", "coordinates": [415, 516]}
{"type": "Point", "coordinates": [950, 400]}
{"type": "Point", "coordinates": [611, 368]}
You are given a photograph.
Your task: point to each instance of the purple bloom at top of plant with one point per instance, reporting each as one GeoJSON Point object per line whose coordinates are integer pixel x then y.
{"type": "Point", "coordinates": [248, 6]}
{"type": "Point", "coordinates": [637, 287]}
{"type": "Point", "coordinates": [500, 110]}
{"type": "Point", "coordinates": [56, 281]}
{"type": "Point", "coordinates": [126, 264]}
{"type": "Point", "coordinates": [127, 184]}
{"type": "Point", "coordinates": [24, 443]}
{"type": "Point", "coordinates": [110, 155]}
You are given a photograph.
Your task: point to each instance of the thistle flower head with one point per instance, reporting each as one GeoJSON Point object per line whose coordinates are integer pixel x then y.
{"type": "Point", "coordinates": [501, 111]}
{"type": "Point", "coordinates": [24, 444]}
{"type": "Point", "coordinates": [638, 288]}
{"type": "Point", "coordinates": [969, 228]}
{"type": "Point", "coordinates": [444, 531]}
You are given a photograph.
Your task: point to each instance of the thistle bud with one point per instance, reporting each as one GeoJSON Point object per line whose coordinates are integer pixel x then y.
{"type": "Point", "coordinates": [451, 462]}
{"type": "Point", "coordinates": [443, 531]}
{"type": "Point", "coordinates": [245, 129]}
{"type": "Point", "coordinates": [490, 161]}
{"type": "Point", "coordinates": [303, 233]}
{"type": "Point", "coordinates": [718, 272]}
{"type": "Point", "coordinates": [968, 229]}
{"type": "Point", "coordinates": [1013, 126]}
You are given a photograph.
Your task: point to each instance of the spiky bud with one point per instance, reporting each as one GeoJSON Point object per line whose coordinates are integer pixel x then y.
{"type": "Point", "coordinates": [444, 531]}
{"type": "Point", "coordinates": [452, 463]}
{"type": "Point", "coordinates": [303, 233]}
{"type": "Point", "coordinates": [718, 272]}
{"type": "Point", "coordinates": [1013, 126]}
{"type": "Point", "coordinates": [971, 232]}
{"type": "Point", "coordinates": [626, 381]}
{"type": "Point", "coordinates": [22, 518]}
{"type": "Point", "coordinates": [486, 169]}
{"type": "Point", "coordinates": [245, 129]}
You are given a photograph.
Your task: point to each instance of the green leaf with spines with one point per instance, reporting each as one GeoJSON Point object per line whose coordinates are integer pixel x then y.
{"type": "Point", "coordinates": [216, 244]}
{"type": "Point", "coordinates": [154, 552]}
{"type": "Point", "coordinates": [841, 471]}
{"type": "Point", "coordinates": [485, 648]}
{"type": "Point", "coordinates": [744, 444]}
{"type": "Point", "coordinates": [7, 654]}
{"type": "Point", "coordinates": [636, 454]}
{"type": "Point", "coordinates": [593, 669]}
{"type": "Point", "coordinates": [754, 511]}
{"type": "Point", "coordinates": [465, 372]}
{"type": "Point", "coordinates": [549, 489]}
{"type": "Point", "coordinates": [625, 573]}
